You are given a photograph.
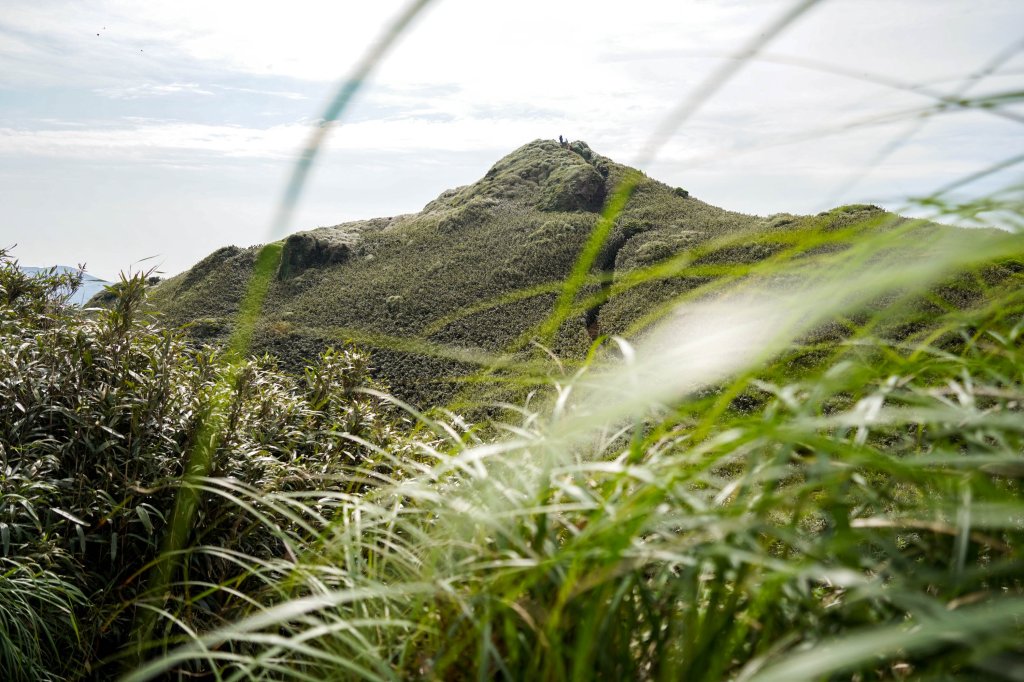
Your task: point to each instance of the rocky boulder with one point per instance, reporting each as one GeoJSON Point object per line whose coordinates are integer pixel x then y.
{"type": "Point", "coordinates": [314, 249]}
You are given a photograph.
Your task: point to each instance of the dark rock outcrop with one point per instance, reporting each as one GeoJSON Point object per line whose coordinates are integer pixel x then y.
{"type": "Point", "coordinates": [316, 248]}
{"type": "Point", "coordinates": [577, 187]}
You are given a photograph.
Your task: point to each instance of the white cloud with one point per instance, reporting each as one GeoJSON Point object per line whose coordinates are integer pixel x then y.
{"type": "Point", "coordinates": [153, 90]}
{"type": "Point", "coordinates": [160, 140]}
{"type": "Point", "coordinates": [266, 93]}
{"type": "Point", "coordinates": [153, 141]}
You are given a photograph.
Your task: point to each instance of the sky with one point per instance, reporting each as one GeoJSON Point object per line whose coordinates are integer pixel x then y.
{"type": "Point", "coordinates": [138, 135]}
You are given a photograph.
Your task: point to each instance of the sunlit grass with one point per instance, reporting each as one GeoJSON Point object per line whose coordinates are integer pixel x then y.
{"type": "Point", "coordinates": [866, 516]}
{"type": "Point", "coordinates": [805, 461]}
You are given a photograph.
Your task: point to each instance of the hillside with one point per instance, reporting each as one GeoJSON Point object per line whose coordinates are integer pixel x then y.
{"type": "Point", "coordinates": [479, 267]}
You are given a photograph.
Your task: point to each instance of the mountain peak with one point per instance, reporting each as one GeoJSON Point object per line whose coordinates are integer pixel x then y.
{"type": "Point", "coordinates": [543, 174]}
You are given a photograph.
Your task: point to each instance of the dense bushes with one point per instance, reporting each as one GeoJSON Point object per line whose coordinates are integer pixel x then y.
{"type": "Point", "coordinates": [98, 421]}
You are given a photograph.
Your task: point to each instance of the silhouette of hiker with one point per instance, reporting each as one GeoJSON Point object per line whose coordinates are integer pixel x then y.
{"type": "Point", "coordinates": [561, 141]}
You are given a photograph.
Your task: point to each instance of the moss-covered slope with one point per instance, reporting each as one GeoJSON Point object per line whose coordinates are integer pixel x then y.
{"type": "Point", "coordinates": [426, 277]}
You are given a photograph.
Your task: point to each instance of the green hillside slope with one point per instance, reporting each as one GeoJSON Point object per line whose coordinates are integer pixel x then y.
{"type": "Point", "coordinates": [480, 267]}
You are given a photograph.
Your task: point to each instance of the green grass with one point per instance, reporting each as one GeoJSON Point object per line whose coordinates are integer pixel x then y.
{"type": "Point", "coordinates": [863, 517]}
{"type": "Point", "coordinates": [799, 456]}
{"type": "Point", "coordinates": [819, 473]}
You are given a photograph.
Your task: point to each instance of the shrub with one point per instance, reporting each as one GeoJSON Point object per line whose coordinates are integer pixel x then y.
{"type": "Point", "coordinates": [98, 420]}
{"type": "Point", "coordinates": [654, 251]}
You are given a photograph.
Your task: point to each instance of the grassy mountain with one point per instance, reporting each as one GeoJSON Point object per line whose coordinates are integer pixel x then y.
{"type": "Point", "coordinates": [480, 267]}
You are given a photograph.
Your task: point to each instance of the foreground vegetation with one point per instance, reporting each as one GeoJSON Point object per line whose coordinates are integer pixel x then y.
{"type": "Point", "coordinates": [841, 508]}
{"type": "Point", "coordinates": [100, 420]}
{"type": "Point", "coordinates": [805, 463]}
{"type": "Point", "coordinates": [795, 486]}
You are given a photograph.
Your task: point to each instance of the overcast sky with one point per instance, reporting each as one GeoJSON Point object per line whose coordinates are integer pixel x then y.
{"type": "Point", "coordinates": [130, 130]}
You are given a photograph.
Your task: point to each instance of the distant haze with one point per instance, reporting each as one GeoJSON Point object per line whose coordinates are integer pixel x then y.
{"type": "Point", "coordinates": [90, 285]}
{"type": "Point", "coordinates": [130, 130]}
